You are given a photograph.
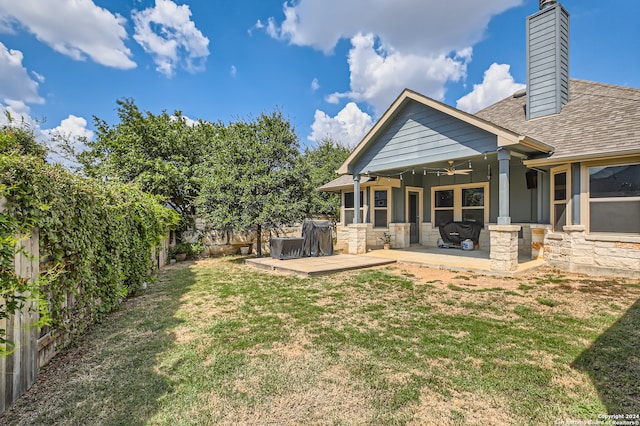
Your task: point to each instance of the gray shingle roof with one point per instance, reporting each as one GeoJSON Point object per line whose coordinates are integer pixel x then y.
{"type": "Point", "coordinates": [598, 119]}
{"type": "Point", "coordinates": [342, 182]}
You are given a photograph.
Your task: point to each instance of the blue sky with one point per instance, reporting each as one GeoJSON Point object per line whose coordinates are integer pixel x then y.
{"type": "Point", "coordinates": [331, 66]}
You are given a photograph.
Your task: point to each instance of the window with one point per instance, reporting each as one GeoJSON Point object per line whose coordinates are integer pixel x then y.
{"type": "Point", "coordinates": [473, 204]}
{"type": "Point", "coordinates": [380, 208]}
{"type": "Point", "coordinates": [560, 194]}
{"type": "Point", "coordinates": [614, 199]}
{"type": "Point", "coordinates": [349, 206]}
{"type": "Point", "coordinates": [460, 203]}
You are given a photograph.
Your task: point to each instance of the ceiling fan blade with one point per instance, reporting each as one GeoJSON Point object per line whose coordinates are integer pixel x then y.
{"type": "Point", "coordinates": [462, 171]}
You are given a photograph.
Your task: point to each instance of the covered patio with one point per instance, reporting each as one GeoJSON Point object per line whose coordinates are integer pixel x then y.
{"type": "Point", "coordinates": [424, 166]}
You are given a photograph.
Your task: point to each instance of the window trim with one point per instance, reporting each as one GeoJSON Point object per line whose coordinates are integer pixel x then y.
{"type": "Point", "coordinates": [457, 200]}
{"type": "Point", "coordinates": [387, 208]}
{"type": "Point", "coordinates": [565, 168]}
{"type": "Point", "coordinates": [585, 192]}
{"type": "Point", "coordinates": [363, 206]}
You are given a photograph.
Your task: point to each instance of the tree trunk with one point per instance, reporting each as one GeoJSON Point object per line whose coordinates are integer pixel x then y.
{"type": "Point", "coordinates": [259, 240]}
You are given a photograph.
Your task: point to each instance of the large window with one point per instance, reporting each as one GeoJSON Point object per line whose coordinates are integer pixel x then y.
{"type": "Point", "coordinates": [460, 203]}
{"type": "Point", "coordinates": [560, 195]}
{"type": "Point", "coordinates": [380, 208]}
{"type": "Point", "coordinates": [614, 199]}
{"type": "Point", "coordinates": [349, 207]}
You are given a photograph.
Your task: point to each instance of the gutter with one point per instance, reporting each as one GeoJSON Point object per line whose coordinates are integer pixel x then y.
{"type": "Point", "coordinates": [632, 154]}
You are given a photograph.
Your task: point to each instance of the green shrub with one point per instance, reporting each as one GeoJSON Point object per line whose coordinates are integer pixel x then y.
{"type": "Point", "coordinates": [96, 237]}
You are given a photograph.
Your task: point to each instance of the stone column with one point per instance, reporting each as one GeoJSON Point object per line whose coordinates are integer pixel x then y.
{"type": "Point", "coordinates": [504, 247]}
{"type": "Point", "coordinates": [537, 240]}
{"type": "Point", "coordinates": [400, 237]}
{"type": "Point", "coordinates": [426, 235]}
{"type": "Point", "coordinates": [358, 238]}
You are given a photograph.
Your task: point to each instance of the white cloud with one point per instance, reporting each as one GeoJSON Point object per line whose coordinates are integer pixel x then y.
{"type": "Point", "coordinates": [347, 128]}
{"type": "Point", "coordinates": [315, 84]}
{"type": "Point", "coordinates": [15, 83]}
{"type": "Point", "coordinates": [18, 110]}
{"type": "Point", "coordinates": [168, 34]}
{"type": "Point", "coordinates": [496, 85]}
{"type": "Point", "coordinates": [409, 26]}
{"type": "Point", "coordinates": [72, 128]}
{"type": "Point", "coordinates": [378, 76]}
{"type": "Point", "coordinates": [418, 44]}
{"type": "Point", "coordinates": [66, 140]}
{"type": "Point", "coordinates": [233, 71]}
{"type": "Point", "coordinates": [76, 28]}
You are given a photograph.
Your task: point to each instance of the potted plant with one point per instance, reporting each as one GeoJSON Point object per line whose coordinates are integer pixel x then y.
{"type": "Point", "coordinates": [386, 241]}
{"type": "Point", "coordinates": [180, 251]}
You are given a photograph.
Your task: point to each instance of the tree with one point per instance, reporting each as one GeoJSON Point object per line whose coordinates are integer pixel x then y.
{"type": "Point", "coordinates": [322, 162]}
{"type": "Point", "coordinates": [254, 179]}
{"type": "Point", "coordinates": [158, 152]}
{"type": "Point", "coordinates": [19, 139]}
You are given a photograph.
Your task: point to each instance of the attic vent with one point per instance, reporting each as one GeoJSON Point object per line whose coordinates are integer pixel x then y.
{"type": "Point", "coordinates": [546, 3]}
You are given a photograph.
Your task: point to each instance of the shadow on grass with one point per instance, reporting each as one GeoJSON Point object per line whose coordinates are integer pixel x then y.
{"type": "Point", "coordinates": [109, 376]}
{"type": "Point", "coordinates": [613, 364]}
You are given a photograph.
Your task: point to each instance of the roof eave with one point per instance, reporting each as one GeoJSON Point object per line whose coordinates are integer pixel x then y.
{"type": "Point", "coordinates": [632, 154]}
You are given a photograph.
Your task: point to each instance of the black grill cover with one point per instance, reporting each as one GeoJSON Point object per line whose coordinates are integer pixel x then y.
{"type": "Point", "coordinates": [318, 238]}
{"type": "Point", "coordinates": [456, 232]}
{"type": "Point", "coordinates": [286, 248]}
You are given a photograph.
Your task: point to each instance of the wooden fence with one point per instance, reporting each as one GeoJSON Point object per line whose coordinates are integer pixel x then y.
{"type": "Point", "coordinates": [18, 371]}
{"type": "Point", "coordinates": [33, 349]}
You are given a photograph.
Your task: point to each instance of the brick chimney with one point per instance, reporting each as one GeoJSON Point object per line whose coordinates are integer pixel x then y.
{"type": "Point", "coordinates": [547, 60]}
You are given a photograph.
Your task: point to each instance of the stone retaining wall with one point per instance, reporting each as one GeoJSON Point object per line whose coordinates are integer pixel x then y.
{"type": "Point", "coordinates": [219, 243]}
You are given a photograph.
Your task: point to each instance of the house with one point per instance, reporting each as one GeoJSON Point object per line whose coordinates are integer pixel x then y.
{"type": "Point", "coordinates": [552, 172]}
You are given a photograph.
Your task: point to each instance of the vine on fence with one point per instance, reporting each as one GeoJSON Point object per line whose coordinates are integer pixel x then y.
{"type": "Point", "coordinates": [95, 241]}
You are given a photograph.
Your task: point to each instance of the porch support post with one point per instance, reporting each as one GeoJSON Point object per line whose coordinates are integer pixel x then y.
{"type": "Point", "coordinates": [358, 238]}
{"type": "Point", "coordinates": [504, 217]}
{"type": "Point", "coordinates": [504, 247]}
{"type": "Point", "coordinates": [356, 198]}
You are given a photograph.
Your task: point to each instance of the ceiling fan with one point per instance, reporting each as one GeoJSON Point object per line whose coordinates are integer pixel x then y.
{"type": "Point", "coordinates": [452, 169]}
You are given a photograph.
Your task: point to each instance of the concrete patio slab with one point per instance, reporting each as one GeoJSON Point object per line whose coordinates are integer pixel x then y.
{"type": "Point", "coordinates": [452, 259]}
{"type": "Point", "coordinates": [314, 266]}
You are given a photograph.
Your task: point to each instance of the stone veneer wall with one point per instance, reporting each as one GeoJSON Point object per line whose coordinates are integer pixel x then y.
{"type": "Point", "coordinates": [605, 255]}
{"type": "Point", "coordinates": [218, 243]}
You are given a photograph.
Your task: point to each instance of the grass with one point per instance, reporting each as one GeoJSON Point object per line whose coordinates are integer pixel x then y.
{"type": "Point", "coordinates": [219, 343]}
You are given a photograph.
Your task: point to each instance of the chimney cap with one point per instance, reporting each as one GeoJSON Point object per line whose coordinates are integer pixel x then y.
{"type": "Point", "coordinates": [547, 3]}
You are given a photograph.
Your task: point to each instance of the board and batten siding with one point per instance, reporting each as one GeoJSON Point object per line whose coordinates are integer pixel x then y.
{"type": "Point", "coordinates": [547, 61]}
{"type": "Point", "coordinates": [420, 135]}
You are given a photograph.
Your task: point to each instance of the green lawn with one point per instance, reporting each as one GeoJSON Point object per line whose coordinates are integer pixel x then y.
{"type": "Point", "coordinates": [216, 342]}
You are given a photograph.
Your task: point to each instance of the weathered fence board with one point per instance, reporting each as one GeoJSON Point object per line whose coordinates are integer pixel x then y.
{"type": "Point", "coordinates": [18, 371]}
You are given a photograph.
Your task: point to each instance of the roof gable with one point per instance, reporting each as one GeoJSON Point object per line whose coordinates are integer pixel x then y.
{"type": "Point", "coordinates": [417, 129]}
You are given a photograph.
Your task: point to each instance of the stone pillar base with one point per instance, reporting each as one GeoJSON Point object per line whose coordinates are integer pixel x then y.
{"type": "Point", "coordinates": [357, 238]}
{"type": "Point", "coordinates": [399, 235]}
{"type": "Point", "coordinates": [427, 235]}
{"type": "Point", "coordinates": [537, 240]}
{"type": "Point", "coordinates": [504, 247]}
